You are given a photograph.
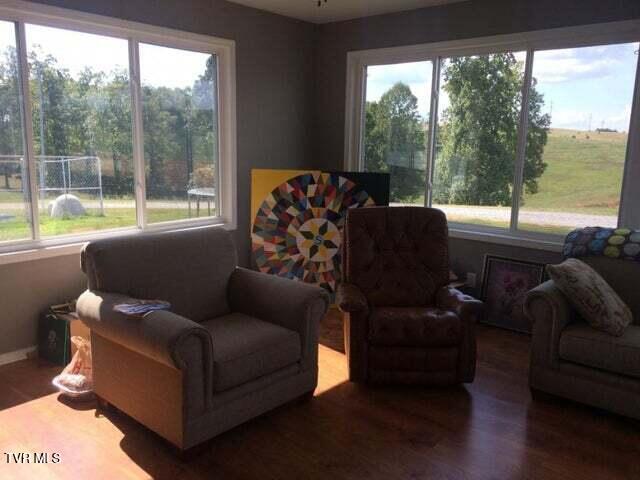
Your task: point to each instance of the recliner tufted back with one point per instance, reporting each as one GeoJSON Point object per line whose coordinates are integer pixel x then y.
{"type": "Point", "coordinates": [397, 256]}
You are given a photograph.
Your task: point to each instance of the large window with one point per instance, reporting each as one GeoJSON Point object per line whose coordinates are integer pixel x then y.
{"type": "Point", "coordinates": [107, 125]}
{"type": "Point", "coordinates": [525, 134]}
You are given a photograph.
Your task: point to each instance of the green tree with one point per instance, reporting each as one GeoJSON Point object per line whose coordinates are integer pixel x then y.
{"type": "Point", "coordinates": [10, 120]}
{"type": "Point", "coordinates": [49, 84]}
{"type": "Point", "coordinates": [204, 121]}
{"type": "Point", "coordinates": [478, 135]}
{"type": "Point", "coordinates": [111, 127]}
{"type": "Point", "coordinates": [537, 136]}
{"type": "Point", "coordinates": [89, 113]}
{"type": "Point", "coordinates": [395, 141]}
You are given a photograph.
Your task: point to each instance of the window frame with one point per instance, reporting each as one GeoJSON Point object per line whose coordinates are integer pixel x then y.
{"type": "Point", "coordinates": [571, 37]}
{"type": "Point", "coordinates": [21, 13]}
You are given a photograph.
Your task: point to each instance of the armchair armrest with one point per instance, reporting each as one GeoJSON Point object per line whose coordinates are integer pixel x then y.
{"type": "Point", "coordinates": [465, 306]}
{"type": "Point", "coordinates": [294, 305]}
{"type": "Point", "coordinates": [161, 335]}
{"type": "Point", "coordinates": [550, 312]}
{"type": "Point", "coordinates": [350, 299]}
{"type": "Point", "coordinates": [468, 310]}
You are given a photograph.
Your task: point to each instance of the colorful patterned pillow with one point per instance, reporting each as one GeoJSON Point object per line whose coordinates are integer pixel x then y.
{"type": "Point", "coordinates": [591, 296]}
{"type": "Point", "coordinates": [622, 243]}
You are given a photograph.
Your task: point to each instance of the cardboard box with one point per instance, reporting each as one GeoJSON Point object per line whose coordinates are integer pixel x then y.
{"type": "Point", "coordinates": [77, 328]}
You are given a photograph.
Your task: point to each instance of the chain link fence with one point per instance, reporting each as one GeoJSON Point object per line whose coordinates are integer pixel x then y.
{"type": "Point", "coordinates": [55, 175]}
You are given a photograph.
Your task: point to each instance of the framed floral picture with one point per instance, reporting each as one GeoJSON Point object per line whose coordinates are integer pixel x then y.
{"type": "Point", "coordinates": [505, 283]}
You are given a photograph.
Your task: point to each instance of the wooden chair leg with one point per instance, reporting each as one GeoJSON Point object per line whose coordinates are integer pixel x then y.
{"type": "Point", "coordinates": [103, 405]}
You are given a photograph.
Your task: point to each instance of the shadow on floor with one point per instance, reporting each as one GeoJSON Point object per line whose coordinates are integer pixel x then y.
{"type": "Point", "coordinates": [348, 431]}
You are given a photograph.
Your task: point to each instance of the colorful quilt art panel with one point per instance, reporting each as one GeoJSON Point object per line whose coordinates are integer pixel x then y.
{"type": "Point", "coordinates": [297, 225]}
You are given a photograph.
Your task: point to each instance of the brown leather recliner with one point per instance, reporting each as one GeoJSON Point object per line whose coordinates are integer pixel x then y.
{"type": "Point", "coordinates": [402, 323]}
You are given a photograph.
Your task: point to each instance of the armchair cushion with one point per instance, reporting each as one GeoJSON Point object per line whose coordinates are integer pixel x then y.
{"type": "Point", "coordinates": [350, 298]}
{"type": "Point", "coordinates": [246, 348]}
{"type": "Point", "coordinates": [414, 327]}
{"type": "Point", "coordinates": [290, 304]}
{"type": "Point", "coordinates": [582, 344]}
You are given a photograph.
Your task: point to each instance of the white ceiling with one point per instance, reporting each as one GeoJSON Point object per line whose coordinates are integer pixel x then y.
{"type": "Point", "coordinates": [336, 10]}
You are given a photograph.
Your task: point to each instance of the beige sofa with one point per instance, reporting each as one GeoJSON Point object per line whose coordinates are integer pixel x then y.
{"type": "Point", "coordinates": [572, 360]}
{"type": "Point", "coordinates": [235, 344]}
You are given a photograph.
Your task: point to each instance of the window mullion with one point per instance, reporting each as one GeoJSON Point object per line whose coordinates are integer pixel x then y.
{"type": "Point", "coordinates": [628, 216]}
{"type": "Point", "coordinates": [137, 133]}
{"type": "Point", "coordinates": [433, 125]}
{"type": "Point", "coordinates": [362, 117]}
{"type": "Point", "coordinates": [521, 147]}
{"type": "Point", "coordinates": [27, 125]}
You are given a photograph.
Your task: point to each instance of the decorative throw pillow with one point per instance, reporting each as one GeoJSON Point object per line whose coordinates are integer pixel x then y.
{"type": "Point", "coordinates": [591, 296]}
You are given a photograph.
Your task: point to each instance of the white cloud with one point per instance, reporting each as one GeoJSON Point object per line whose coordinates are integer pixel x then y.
{"type": "Point", "coordinates": [599, 62]}
{"type": "Point", "coordinates": [563, 68]}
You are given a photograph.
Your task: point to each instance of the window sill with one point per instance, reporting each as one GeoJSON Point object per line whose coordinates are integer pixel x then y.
{"type": "Point", "coordinates": [72, 245]}
{"type": "Point", "coordinates": [506, 238]}
{"type": "Point", "coordinates": [37, 253]}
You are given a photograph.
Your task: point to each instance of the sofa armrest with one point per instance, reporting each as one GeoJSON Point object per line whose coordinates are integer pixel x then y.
{"type": "Point", "coordinates": [549, 312]}
{"type": "Point", "coordinates": [465, 306]}
{"type": "Point", "coordinates": [161, 335]}
{"type": "Point", "coordinates": [350, 299]}
{"type": "Point", "coordinates": [294, 305]}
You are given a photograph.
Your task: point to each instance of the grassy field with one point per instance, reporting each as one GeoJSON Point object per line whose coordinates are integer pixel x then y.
{"type": "Point", "coordinates": [583, 175]}
{"type": "Point", "coordinates": [18, 228]}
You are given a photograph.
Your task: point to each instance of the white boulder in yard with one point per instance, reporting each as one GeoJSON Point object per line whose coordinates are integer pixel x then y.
{"type": "Point", "coordinates": [66, 205]}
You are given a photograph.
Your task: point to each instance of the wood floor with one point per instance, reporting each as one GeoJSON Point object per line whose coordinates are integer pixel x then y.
{"type": "Point", "coordinates": [490, 429]}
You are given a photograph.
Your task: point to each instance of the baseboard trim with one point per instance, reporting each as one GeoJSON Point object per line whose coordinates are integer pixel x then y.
{"type": "Point", "coordinates": [17, 355]}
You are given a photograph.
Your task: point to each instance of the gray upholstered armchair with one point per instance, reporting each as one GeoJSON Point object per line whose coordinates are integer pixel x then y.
{"type": "Point", "coordinates": [235, 344]}
{"type": "Point", "coordinates": [571, 359]}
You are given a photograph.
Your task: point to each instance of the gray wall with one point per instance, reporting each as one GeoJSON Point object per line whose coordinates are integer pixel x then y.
{"type": "Point", "coordinates": [27, 288]}
{"type": "Point", "coordinates": [290, 109]}
{"type": "Point", "coordinates": [474, 18]}
{"type": "Point", "coordinates": [275, 95]}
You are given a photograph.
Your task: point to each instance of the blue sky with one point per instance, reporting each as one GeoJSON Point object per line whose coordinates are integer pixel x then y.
{"type": "Point", "coordinates": [588, 83]}
{"type": "Point", "coordinates": [580, 86]}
